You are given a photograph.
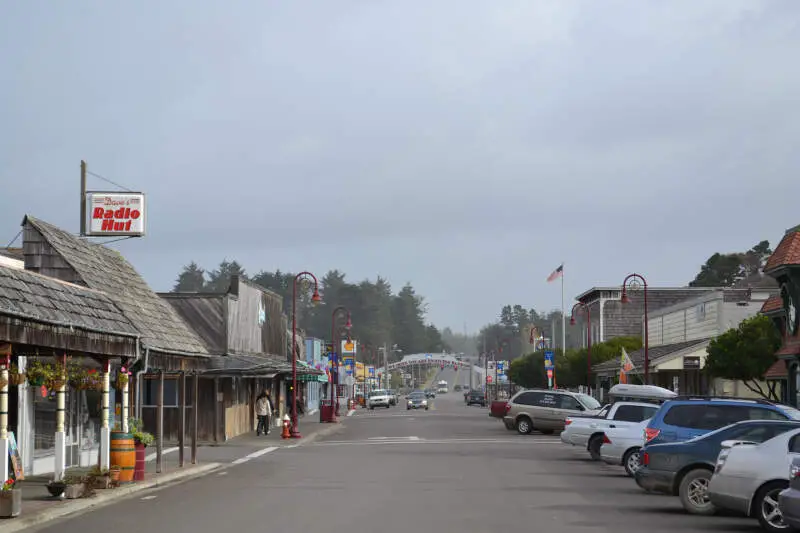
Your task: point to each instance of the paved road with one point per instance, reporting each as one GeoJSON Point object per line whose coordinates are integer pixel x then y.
{"type": "Point", "coordinates": [447, 469]}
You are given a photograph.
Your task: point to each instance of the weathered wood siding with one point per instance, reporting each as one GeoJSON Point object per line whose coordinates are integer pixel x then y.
{"type": "Point", "coordinates": [244, 333]}
{"type": "Point", "coordinates": [42, 258]}
{"type": "Point", "coordinates": [699, 320]}
{"type": "Point", "coordinates": [205, 314]}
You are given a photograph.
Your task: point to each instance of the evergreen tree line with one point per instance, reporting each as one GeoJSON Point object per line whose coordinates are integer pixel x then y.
{"type": "Point", "coordinates": [379, 316]}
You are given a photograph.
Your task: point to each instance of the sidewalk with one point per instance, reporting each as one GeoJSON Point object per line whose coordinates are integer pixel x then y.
{"type": "Point", "coordinates": [39, 507]}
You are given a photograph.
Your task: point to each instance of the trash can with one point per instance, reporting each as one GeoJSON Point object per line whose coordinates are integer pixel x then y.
{"type": "Point", "coordinates": [326, 411]}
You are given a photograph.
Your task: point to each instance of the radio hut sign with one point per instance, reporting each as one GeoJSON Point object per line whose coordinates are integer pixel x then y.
{"type": "Point", "coordinates": [113, 214]}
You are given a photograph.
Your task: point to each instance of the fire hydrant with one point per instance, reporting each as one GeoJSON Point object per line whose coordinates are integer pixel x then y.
{"type": "Point", "coordinates": [285, 433]}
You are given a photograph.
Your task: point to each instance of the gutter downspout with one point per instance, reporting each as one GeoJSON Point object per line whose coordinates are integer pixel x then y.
{"type": "Point", "coordinates": [139, 383]}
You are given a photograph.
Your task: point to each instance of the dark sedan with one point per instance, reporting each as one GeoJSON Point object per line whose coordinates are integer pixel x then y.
{"type": "Point", "coordinates": [476, 397]}
{"type": "Point", "coordinates": [684, 469]}
{"type": "Point", "coordinates": [417, 400]}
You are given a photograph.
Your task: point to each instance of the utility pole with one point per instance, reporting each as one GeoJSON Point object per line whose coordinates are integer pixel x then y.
{"type": "Point", "coordinates": [83, 198]}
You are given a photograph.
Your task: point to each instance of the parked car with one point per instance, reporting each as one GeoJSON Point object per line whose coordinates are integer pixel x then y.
{"type": "Point", "coordinates": [688, 417]}
{"type": "Point", "coordinates": [683, 469]}
{"type": "Point", "coordinates": [476, 397]}
{"type": "Point", "coordinates": [621, 446]}
{"type": "Point", "coordinates": [430, 393]}
{"type": "Point", "coordinates": [379, 398]}
{"type": "Point", "coordinates": [749, 477]}
{"type": "Point", "coordinates": [417, 400]}
{"type": "Point", "coordinates": [789, 499]}
{"type": "Point", "coordinates": [587, 432]}
{"type": "Point", "coordinates": [546, 410]}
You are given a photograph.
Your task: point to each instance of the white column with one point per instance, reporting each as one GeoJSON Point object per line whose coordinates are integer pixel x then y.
{"type": "Point", "coordinates": [105, 433]}
{"type": "Point", "coordinates": [125, 408]}
{"type": "Point", "coordinates": [4, 420]}
{"type": "Point", "coordinates": [61, 436]}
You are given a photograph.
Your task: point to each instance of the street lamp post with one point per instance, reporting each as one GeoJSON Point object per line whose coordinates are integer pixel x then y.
{"type": "Point", "coordinates": [295, 432]}
{"type": "Point", "coordinates": [337, 349]}
{"type": "Point", "coordinates": [583, 306]}
{"type": "Point", "coordinates": [631, 279]}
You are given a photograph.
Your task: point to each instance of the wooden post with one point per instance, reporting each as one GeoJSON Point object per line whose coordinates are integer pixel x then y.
{"type": "Point", "coordinates": [182, 421]}
{"type": "Point", "coordinates": [83, 198]}
{"type": "Point", "coordinates": [216, 410]}
{"type": "Point", "coordinates": [160, 422]}
{"type": "Point", "coordinates": [105, 433]}
{"type": "Point", "coordinates": [195, 411]}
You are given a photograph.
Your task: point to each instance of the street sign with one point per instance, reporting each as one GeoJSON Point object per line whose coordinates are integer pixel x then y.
{"type": "Point", "coordinates": [371, 371]}
{"type": "Point", "coordinates": [548, 359]}
{"type": "Point", "coordinates": [500, 367]}
{"type": "Point", "coordinates": [488, 379]}
{"type": "Point", "coordinates": [549, 373]}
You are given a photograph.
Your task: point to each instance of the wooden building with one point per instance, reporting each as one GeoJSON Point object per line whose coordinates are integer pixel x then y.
{"type": "Point", "coordinates": [165, 341]}
{"type": "Point", "coordinates": [245, 331]}
{"type": "Point", "coordinates": [679, 336]}
{"type": "Point", "coordinates": [46, 320]}
{"type": "Point", "coordinates": [784, 266]}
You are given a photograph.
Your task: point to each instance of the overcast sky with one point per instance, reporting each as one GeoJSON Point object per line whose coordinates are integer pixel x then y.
{"type": "Point", "coordinates": [467, 147]}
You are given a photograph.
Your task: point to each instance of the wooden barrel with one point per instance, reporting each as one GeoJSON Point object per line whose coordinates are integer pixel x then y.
{"type": "Point", "coordinates": [123, 454]}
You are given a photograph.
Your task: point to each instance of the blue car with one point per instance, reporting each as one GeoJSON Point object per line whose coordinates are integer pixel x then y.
{"type": "Point", "coordinates": [684, 469]}
{"type": "Point", "coordinates": [682, 419]}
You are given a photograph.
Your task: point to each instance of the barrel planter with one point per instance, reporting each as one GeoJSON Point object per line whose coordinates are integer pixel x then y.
{"type": "Point", "coordinates": [123, 454]}
{"type": "Point", "coordinates": [138, 474]}
{"type": "Point", "coordinates": [10, 503]}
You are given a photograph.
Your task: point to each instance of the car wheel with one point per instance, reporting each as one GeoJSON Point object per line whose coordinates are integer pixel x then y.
{"type": "Point", "coordinates": [524, 425]}
{"type": "Point", "coordinates": [594, 447]}
{"type": "Point", "coordinates": [631, 461]}
{"type": "Point", "coordinates": [426, 408]}
{"type": "Point", "coordinates": [765, 507]}
{"type": "Point", "coordinates": [693, 492]}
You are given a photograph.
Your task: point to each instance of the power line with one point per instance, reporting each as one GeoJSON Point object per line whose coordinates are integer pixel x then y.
{"type": "Point", "coordinates": [108, 180]}
{"type": "Point", "coordinates": [14, 239]}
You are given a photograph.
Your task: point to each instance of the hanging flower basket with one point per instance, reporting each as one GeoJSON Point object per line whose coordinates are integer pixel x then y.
{"type": "Point", "coordinates": [16, 378]}
{"type": "Point", "coordinates": [3, 382]}
{"type": "Point", "coordinates": [122, 379]}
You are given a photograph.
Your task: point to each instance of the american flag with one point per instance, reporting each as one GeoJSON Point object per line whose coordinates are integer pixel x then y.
{"type": "Point", "coordinates": [557, 273]}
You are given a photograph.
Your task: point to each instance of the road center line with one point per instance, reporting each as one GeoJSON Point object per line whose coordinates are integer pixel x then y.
{"type": "Point", "coordinates": [253, 455]}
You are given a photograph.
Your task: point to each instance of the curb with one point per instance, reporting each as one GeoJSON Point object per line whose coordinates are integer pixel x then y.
{"type": "Point", "coordinates": [103, 499]}
{"type": "Point", "coordinates": [330, 429]}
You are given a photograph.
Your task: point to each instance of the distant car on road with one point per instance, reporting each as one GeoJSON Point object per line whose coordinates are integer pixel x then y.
{"type": "Point", "coordinates": [476, 397]}
{"type": "Point", "coordinates": [417, 400]}
{"type": "Point", "coordinates": [430, 393]}
{"type": "Point", "coordinates": [392, 397]}
{"type": "Point", "coordinates": [457, 388]}
{"type": "Point", "coordinates": [379, 398]}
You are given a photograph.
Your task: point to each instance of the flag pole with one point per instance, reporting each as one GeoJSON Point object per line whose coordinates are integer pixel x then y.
{"type": "Point", "coordinates": [563, 316]}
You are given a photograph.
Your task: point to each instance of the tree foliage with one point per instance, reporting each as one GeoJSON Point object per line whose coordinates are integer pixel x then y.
{"type": "Point", "coordinates": [572, 367]}
{"type": "Point", "coordinates": [378, 315]}
{"type": "Point", "coordinates": [729, 270]}
{"type": "Point", "coordinates": [745, 353]}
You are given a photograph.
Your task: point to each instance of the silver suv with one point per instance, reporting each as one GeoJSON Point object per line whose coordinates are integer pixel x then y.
{"type": "Point", "coordinates": [546, 410]}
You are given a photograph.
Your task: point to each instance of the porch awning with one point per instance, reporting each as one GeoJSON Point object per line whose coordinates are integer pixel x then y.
{"type": "Point", "coordinates": [659, 356]}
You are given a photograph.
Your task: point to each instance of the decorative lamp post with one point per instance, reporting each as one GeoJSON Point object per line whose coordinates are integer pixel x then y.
{"type": "Point", "coordinates": [336, 350]}
{"type": "Point", "coordinates": [583, 306]}
{"type": "Point", "coordinates": [632, 282]}
{"type": "Point", "coordinates": [315, 299]}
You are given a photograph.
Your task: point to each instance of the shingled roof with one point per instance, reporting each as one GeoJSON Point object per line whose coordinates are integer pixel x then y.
{"type": "Point", "coordinates": [787, 253]}
{"type": "Point", "coordinates": [104, 269]}
{"type": "Point", "coordinates": [28, 295]}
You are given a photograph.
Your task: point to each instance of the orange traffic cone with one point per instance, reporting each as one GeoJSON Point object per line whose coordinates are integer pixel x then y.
{"type": "Point", "coordinates": [285, 433]}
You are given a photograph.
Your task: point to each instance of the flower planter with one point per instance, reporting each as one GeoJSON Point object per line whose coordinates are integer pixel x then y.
{"type": "Point", "coordinates": [138, 472]}
{"type": "Point", "coordinates": [73, 492]}
{"type": "Point", "coordinates": [101, 482]}
{"type": "Point", "coordinates": [56, 488]}
{"type": "Point", "coordinates": [10, 503]}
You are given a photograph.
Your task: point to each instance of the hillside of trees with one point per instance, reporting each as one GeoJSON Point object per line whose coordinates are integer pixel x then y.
{"type": "Point", "coordinates": [739, 269]}
{"type": "Point", "coordinates": [379, 315]}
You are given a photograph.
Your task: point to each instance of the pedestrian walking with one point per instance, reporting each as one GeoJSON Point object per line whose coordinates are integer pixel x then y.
{"type": "Point", "coordinates": [263, 410]}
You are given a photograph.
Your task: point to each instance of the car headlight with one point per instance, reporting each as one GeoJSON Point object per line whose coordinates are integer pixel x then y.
{"type": "Point", "coordinates": [424, 402]}
{"type": "Point", "coordinates": [409, 402]}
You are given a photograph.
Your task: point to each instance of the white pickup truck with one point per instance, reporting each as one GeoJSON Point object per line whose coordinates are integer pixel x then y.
{"type": "Point", "coordinates": [588, 431]}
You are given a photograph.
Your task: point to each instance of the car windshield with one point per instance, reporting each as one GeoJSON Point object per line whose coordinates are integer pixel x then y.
{"type": "Point", "coordinates": [588, 401]}
{"type": "Point", "coordinates": [791, 412]}
{"type": "Point", "coordinates": [378, 392]}
{"type": "Point", "coordinates": [416, 396]}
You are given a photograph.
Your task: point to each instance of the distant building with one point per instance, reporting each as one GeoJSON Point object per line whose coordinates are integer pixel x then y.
{"type": "Point", "coordinates": [611, 318]}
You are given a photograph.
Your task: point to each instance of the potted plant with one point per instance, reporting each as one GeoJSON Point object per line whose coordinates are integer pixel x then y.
{"type": "Point", "coordinates": [15, 377]}
{"type": "Point", "coordinates": [75, 487]}
{"type": "Point", "coordinates": [122, 379]}
{"type": "Point", "coordinates": [56, 488]}
{"type": "Point", "coordinates": [99, 478]}
{"type": "Point", "coordinates": [114, 472]}
{"type": "Point", "coordinates": [37, 372]}
{"type": "Point", "coordinates": [10, 499]}
{"type": "Point", "coordinates": [141, 440]}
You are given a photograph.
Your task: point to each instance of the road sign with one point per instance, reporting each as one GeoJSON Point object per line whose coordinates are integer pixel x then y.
{"type": "Point", "coordinates": [488, 379]}
{"type": "Point", "coordinates": [549, 373]}
{"type": "Point", "coordinates": [371, 371]}
{"type": "Point", "coordinates": [500, 367]}
{"type": "Point", "coordinates": [548, 359]}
